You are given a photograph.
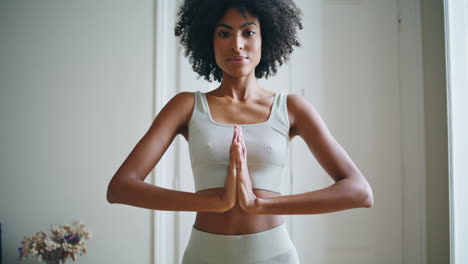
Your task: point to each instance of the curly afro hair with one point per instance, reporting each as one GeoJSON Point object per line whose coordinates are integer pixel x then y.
{"type": "Point", "coordinates": [279, 20]}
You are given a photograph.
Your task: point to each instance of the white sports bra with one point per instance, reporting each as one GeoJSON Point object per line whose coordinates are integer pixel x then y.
{"type": "Point", "coordinates": [267, 146]}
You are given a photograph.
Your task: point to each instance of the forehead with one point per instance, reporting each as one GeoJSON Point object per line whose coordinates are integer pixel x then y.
{"type": "Point", "coordinates": [234, 17]}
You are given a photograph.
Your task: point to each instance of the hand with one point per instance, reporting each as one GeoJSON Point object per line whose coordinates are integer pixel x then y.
{"type": "Point", "coordinates": [229, 197]}
{"type": "Point", "coordinates": [245, 192]}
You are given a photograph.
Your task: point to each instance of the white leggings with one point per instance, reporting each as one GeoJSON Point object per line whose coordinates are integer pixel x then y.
{"type": "Point", "coordinates": [266, 247]}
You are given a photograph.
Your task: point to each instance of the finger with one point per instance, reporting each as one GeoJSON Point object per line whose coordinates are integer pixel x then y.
{"type": "Point", "coordinates": [238, 145]}
{"type": "Point", "coordinates": [235, 136]}
{"type": "Point", "coordinates": [238, 155]}
{"type": "Point", "coordinates": [232, 143]}
{"type": "Point", "coordinates": [244, 149]}
{"type": "Point", "coordinates": [240, 141]}
{"type": "Point", "coordinates": [233, 157]}
{"type": "Point", "coordinates": [232, 149]}
{"type": "Point", "coordinates": [242, 144]}
{"type": "Point", "coordinates": [233, 146]}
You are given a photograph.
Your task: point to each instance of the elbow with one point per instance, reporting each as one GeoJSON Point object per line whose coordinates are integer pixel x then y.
{"type": "Point", "coordinates": [110, 198]}
{"type": "Point", "coordinates": [368, 201]}
{"type": "Point", "coordinates": [366, 197]}
{"type": "Point", "coordinates": [360, 193]}
{"type": "Point", "coordinates": [118, 190]}
{"type": "Point", "coordinates": [111, 192]}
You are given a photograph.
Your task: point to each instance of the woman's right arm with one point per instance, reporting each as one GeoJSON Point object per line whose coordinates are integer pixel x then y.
{"type": "Point", "coordinates": [127, 186]}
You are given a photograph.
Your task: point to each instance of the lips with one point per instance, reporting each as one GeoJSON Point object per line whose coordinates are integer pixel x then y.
{"type": "Point", "coordinates": [238, 58]}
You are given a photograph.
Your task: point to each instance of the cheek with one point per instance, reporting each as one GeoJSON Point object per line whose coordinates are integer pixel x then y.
{"type": "Point", "coordinates": [216, 51]}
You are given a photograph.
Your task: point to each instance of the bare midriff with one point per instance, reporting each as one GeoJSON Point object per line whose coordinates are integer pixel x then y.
{"type": "Point", "coordinates": [236, 221]}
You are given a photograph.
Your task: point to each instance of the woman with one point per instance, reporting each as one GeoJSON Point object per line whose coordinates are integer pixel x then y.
{"type": "Point", "coordinates": [237, 168]}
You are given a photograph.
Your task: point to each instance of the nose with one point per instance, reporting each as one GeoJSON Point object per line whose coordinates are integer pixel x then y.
{"type": "Point", "coordinates": [238, 44]}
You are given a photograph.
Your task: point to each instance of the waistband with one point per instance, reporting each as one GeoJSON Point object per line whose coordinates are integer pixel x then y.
{"type": "Point", "coordinates": [242, 248]}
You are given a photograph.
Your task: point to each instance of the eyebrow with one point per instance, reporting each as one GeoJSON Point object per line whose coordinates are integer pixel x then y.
{"type": "Point", "coordinates": [243, 26]}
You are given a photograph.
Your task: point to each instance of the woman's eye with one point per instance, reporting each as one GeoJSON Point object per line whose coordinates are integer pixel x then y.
{"type": "Point", "coordinates": [222, 34]}
{"type": "Point", "coordinates": [250, 33]}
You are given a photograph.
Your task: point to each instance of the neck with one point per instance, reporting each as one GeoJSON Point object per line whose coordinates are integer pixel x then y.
{"type": "Point", "coordinates": [239, 88]}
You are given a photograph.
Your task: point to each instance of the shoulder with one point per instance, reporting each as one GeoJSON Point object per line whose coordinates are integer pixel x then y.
{"type": "Point", "coordinates": [301, 113]}
{"type": "Point", "coordinates": [297, 102]}
{"type": "Point", "coordinates": [181, 101]}
{"type": "Point", "coordinates": [292, 102]}
{"type": "Point", "coordinates": [184, 96]}
{"type": "Point", "coordinates": [183, 104]}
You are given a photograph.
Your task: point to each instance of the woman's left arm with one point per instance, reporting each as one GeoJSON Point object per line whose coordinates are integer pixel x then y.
{"type": "Point", "coordinates": [350, 190]}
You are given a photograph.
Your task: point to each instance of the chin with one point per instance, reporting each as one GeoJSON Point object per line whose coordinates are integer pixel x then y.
{"type": "Point", "coordinates": [240, 73]}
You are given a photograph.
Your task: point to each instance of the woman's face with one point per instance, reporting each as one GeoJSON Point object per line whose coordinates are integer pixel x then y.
{"type": "Point", "coordinates": [237, 43]}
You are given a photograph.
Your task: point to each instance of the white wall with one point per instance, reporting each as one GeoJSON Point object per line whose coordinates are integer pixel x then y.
{"type": "Point", "coordinates": [76, 94]}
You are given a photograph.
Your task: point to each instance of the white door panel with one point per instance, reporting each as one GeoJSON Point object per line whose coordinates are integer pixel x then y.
{"type": "Point", "coordinates": [348, 69]}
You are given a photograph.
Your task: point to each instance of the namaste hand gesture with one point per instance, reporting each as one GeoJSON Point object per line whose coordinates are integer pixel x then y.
{"type": "Point", "coordinates": [246, 196]}
{"type": "Point", "coordinates": [238, 186]}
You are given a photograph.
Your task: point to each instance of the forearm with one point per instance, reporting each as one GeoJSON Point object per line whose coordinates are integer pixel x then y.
{"type": "Point", "coordinates": [342, 195]}
{"type": "Point", "coordinates": [138, 193]}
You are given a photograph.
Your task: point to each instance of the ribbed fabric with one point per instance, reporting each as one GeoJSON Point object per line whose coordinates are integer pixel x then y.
{"type": "Point", "coordinates": [267, 146]}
